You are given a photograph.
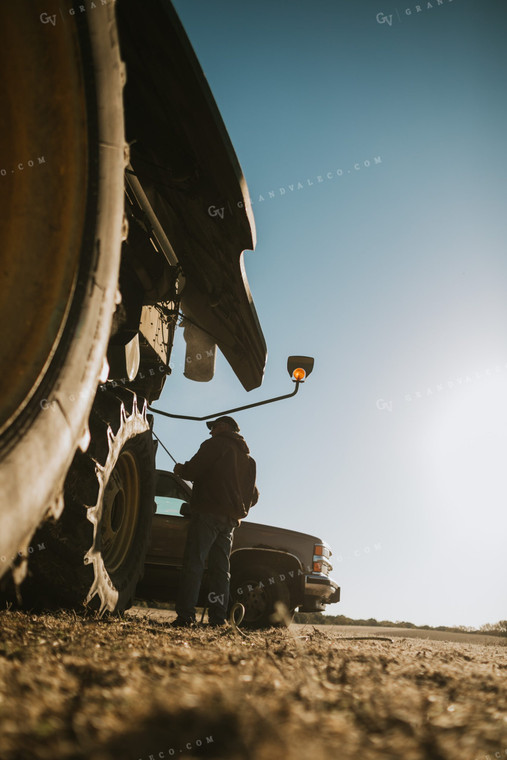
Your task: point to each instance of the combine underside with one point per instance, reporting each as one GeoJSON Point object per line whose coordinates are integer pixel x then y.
{"type": "Point", "coordinates": [115, 158]}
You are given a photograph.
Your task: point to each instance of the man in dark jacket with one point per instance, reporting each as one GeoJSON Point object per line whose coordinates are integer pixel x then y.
{"type": "Point", "coordinates": [223, 473]}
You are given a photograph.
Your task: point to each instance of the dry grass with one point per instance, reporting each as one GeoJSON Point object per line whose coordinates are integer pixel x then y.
{"type": "Point", "coordinates": [74, 687]}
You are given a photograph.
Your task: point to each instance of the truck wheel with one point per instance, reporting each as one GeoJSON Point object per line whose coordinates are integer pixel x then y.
{"type": "Point", "coordinates": [94, 554]}
{"type": "Point", "coordinates": [62, 199]}
{"type": "Point", "coordinates": [258, 596]}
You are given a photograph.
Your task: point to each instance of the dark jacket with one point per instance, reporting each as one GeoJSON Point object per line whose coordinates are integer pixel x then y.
{"type": "Point", "coordinates": [223, 473]}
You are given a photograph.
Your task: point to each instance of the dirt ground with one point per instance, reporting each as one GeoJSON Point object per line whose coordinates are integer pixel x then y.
{"type": "Point", "coordinates": [132, 688]}
{"type": "Point", "coordinates": [357, 630]}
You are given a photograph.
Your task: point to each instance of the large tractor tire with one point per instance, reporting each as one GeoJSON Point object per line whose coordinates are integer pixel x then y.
{"type": "Point", "coordinates": [61, 226]}
{"type": "Point", "coordinates": [93, 556]}
{"type": "Point", "coordinates": [252, 588]}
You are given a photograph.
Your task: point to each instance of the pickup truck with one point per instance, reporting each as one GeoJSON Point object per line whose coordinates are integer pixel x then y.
{"type": "Point", "coordinates": [268, 564]}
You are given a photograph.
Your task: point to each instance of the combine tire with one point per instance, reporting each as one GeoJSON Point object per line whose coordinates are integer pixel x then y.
{"type": "Point", "coordinates": [61, 226]}
{"type": "Point", "coordinates": [94, 554]}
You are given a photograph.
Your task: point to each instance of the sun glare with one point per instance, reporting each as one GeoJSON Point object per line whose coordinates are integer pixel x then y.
{"type": "Point", "coordinates": [466, 442]}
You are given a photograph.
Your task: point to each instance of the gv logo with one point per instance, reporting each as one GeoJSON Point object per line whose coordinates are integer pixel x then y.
{"type": "Point", "coordinates": [381, 404]}
{"type": "Point", "coordinates": [382, 19]}
{"type": "Point", "coordinates": [214, 598]}
{"type": "Point", "coordinates": [45, 19]}
{"type": "Point", "coordinates": [213, 211]}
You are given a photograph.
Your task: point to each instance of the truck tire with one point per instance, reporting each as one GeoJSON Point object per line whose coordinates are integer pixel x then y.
{"type": "Point", "coordinates": [94, 554]}
{"type": "Point", "coordinates": [61, 227]}
{"type": "Point", "coordinates": [253, 589]}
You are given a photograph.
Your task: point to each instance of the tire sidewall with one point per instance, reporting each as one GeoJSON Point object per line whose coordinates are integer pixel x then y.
{"type": "Point", "coordinates": [45, 438]}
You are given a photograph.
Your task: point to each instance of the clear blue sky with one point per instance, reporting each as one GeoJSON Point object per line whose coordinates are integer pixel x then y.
{"type": "Point", "coordinates": [393, 275]}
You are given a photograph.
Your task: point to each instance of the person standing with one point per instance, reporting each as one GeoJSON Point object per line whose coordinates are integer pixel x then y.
{"type": "Point", "coordinates": [223, 474]}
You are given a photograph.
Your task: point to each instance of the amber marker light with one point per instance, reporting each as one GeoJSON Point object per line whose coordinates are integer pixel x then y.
{"type": "Point", "coordinates": [299, 367]}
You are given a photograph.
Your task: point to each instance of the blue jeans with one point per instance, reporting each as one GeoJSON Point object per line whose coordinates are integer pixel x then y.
{"type": "Point", "coordinates": [209, 536]}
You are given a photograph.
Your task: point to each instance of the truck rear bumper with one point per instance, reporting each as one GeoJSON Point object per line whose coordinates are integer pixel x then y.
{"type": "Point", "coordinates": [319, 591]}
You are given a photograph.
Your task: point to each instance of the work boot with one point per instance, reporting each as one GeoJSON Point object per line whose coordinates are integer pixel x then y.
{"type": "Point", "coordinates": [183, 623]}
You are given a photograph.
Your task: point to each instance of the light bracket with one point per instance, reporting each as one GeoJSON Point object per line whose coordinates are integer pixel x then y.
{"type": "Point", "coordinates": [294, 363]}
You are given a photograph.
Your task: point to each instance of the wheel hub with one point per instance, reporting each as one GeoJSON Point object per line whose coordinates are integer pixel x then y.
{"type": "Point", "coordinates": [120, 511]}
